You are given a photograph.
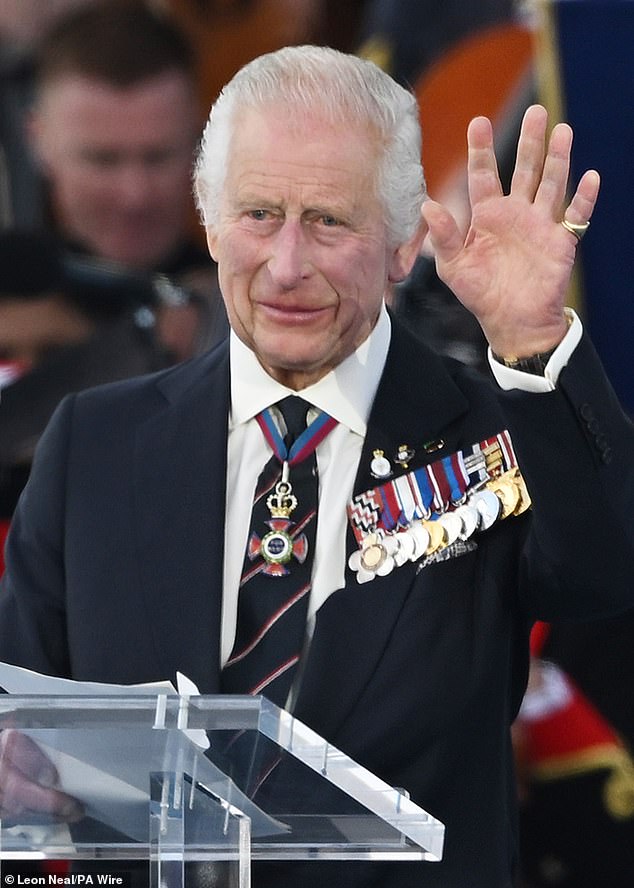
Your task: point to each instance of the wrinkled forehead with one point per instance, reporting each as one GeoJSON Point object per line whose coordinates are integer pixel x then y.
{"type": "Point", "coordinates": [264, 126]}
{"type": "Point", "coordinates": [298, 112]}
{"type": "Point", "coordinates": [306, 142]}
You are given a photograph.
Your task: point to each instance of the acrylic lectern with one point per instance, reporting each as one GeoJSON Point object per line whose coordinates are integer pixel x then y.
{"type": "Point", "coordinates": [214, 780]}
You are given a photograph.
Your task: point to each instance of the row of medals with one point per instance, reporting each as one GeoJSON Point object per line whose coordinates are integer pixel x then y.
{"type": "Point", "coordinates": [503, 495]}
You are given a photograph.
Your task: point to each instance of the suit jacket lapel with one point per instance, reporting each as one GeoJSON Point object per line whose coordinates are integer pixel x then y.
{"type": "Point", "coordinates": [179, 482]}
{"type": "Point", "coordinates": [417, 404]}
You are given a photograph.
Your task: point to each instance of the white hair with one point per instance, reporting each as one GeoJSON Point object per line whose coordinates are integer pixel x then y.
{"type": "Point", "coordinates": [346, 90]}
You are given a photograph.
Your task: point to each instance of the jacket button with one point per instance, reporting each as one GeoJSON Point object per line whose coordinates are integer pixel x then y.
{"type": "Point", "coordinates": [602, 442]}
{"type": "Point", "coordinates": [586, 412]}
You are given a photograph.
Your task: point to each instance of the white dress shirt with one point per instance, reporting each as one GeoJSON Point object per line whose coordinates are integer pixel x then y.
{"type": "Point", "coordinates": [346, 393]}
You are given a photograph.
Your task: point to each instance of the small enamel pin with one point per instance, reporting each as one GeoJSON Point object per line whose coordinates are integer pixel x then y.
{"type": "Point", "coordinates": [380, 467]}
{"type": "Point", "coordinates": [404, 455]}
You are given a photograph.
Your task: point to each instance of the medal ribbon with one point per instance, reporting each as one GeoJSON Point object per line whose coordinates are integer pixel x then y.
{"type": "Point", "coordinates": [429, 490]}
{"type": "Point", "coordinates": [391, 514]}
{"type": "Point", "coordinates": [475, 458]}
{"type": "Point", "coordinates": [304, 445]}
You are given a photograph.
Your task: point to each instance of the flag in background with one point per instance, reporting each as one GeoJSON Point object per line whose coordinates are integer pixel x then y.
{"type": "Point", "coordinates": [593, 41]}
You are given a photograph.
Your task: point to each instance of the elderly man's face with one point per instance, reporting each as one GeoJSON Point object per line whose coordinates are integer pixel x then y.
{"type": "Point", "coordinates": [303, 255]}
{"type": "Point", "coordinates": [118, 163]}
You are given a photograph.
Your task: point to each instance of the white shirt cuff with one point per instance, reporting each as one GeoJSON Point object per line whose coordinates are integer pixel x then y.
{"type": "Point", "coordinates": [507, 378]}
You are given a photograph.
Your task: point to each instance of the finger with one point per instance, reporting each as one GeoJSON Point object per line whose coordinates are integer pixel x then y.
{"type": "Point", "coordinates": [21, 752]}
{"type": "Point", "coordinates": [554, 181]}
{"type": "Point", "coordinates": [22, 798]}
{"type": "Point", "coordinates": [27, 776]}
{"type": "Point", "coordinates": [445, 237]}
{"type": "Point", "coordinates": [584, 200]}
{"type": "Point", "coordinates": [529, 160]}
{"type": "Point", "coordinates": [482, 168]}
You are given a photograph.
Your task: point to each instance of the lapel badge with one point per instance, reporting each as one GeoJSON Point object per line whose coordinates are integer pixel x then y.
{"type": "Point", "coordinates": [404, 455]}
{"type": "Point", "coordinates": [380, 467]}
{"type": "Point", "coordinates": [433, 446]}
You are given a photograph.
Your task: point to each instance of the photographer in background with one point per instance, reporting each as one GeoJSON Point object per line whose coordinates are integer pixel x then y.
{"type": "Point", "coordinates": [113, 129]}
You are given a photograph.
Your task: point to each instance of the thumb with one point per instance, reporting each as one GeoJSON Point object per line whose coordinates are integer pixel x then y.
{"type": "Point", "coordinates": [444, 234]}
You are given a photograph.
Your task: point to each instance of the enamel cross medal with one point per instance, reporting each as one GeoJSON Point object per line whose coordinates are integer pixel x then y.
{"type": "Point", "coordinates": [279, 545]}
{"type": "Point", "coordinates": [286, 539]}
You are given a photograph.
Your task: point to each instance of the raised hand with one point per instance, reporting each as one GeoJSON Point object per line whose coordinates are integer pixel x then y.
{"type": "Point", "coordinates": [512, 271]}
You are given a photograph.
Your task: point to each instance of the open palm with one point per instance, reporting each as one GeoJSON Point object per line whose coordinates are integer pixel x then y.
{"type": "Point", "coordinates": [512, 271]}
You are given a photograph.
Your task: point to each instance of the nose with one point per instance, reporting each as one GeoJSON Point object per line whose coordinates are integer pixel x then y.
{"type": "Point", "coordinates": [134, 185]}
{"type": "Point", "coordinates": [288, 262]}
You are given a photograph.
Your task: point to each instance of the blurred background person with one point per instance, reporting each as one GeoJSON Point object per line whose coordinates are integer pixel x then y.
{"type": "Point", "coordinates": [22, 24]}
{"type": "Point", "coordinates": [113, 128]}
{"type": "Point", "coordinates": [57, 336]}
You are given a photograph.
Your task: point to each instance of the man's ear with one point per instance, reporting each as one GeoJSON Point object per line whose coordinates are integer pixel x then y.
{"type": "Point", "coordinates": [404, 256]}
{"type": "Point", "coordinates": [212, 241]}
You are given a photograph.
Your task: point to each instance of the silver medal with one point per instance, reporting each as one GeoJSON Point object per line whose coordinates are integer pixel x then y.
{"type": "Point", "coordinates": [488, 505]}
{"type": "Point", "coordinates": [470, 518]}
{"type": "Point", "coordinates": [453, 526]}
{"type": "Point", "coordinates": [420, 536]}
{"type": "Point", "coordinates": [405, 549]}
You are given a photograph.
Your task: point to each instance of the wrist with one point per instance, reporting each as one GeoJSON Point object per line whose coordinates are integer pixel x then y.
{"type": "Point", "coordinates": [535, 362]}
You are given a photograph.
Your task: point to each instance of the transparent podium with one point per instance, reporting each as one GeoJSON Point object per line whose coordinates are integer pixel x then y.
{"type": "Point", "coordinates": [181, 781]}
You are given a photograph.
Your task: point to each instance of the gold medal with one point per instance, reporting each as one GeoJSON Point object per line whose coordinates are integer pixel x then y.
{"type": "Point", "coordinates": [437, 536]}
{"type": "Point", "coordinates": [525, 498]}
{"type": "Point", "coordinates": [508, 494]}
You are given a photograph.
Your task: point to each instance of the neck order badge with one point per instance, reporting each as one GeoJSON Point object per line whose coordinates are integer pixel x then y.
{"type": "Point", "coordinates": [276, 578]}
{"type": "Point", "coordinates": [297, 449]}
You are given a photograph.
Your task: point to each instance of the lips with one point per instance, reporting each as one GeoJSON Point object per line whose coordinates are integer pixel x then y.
{"type": "Point", "coordinates": [293, 313]}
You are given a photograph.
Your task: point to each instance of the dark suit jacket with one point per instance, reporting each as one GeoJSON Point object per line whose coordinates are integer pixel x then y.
{"type": "Point", "coordinates": [115, 574]}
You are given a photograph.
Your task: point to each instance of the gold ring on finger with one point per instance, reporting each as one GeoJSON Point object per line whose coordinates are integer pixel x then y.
{"type": "Point", "coordinates": [576, 228]}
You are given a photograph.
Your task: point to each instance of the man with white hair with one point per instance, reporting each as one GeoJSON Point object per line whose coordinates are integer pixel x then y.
{"type": "Point", "coordinates": [399, 624]}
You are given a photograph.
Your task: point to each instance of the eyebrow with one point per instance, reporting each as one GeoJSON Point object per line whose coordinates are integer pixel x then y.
{"type": "Point", "coordinates": [253, 199]}
{"type": "Point", "coordinates": [250, 201]}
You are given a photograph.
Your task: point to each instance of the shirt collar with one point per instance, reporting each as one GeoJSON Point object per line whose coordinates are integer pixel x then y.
{"type": "Point", "coordinates": [346, 393]}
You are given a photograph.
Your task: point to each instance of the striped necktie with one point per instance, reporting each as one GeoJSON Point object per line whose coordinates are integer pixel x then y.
{"type": "Point", "coordinates": [276, 576]}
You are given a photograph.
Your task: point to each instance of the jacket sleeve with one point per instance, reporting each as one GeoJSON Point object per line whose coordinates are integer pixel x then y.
{"type": "Point", "coordinates": [575, 448]}
{"type": "Point", "coordinates": [32, 590]}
